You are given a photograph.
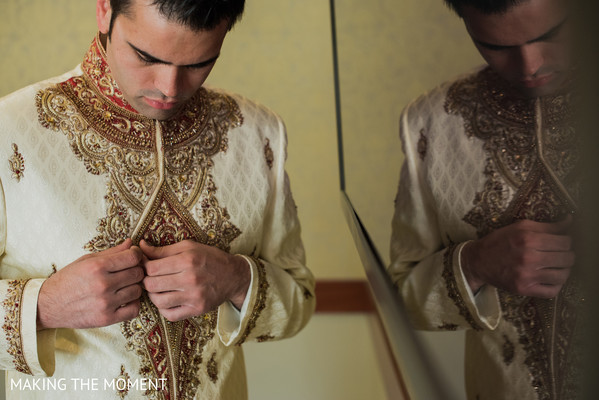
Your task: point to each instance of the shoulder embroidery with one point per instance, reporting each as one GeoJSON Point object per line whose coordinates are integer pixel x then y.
{"type": "Point", "coordinates": [16, 163]}
{"type": "Point", "coordinates": [12, 324]}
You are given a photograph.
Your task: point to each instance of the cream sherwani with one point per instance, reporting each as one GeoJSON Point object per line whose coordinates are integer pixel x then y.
{"type": "Point", "coordinates": [80, 171]}
{"type": "Point", "coordinates": [477, 159]}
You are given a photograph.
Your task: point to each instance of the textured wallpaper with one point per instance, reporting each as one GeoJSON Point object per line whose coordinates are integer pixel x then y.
{"type": "Point", "coordinates": [40, 39]}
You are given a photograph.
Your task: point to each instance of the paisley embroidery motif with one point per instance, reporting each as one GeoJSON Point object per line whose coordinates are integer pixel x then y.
{"type": "Point", "coordinates": [531, 174]}
{"type": "Point", "coordinates": [16, 163]}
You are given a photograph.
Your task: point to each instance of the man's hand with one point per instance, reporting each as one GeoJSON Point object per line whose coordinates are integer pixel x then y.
{"type": "Point", "coordinates": [188, 278]}
{"type": "Point", "coordinates": [96, 290]}
{"type": "Point", "coordinates": [526, 258]}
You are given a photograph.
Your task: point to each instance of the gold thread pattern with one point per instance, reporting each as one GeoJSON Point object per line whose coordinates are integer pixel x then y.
{"type": "Point", "coordinates": [163, 204]}
{"type": "Point", "coordinates": [13, 304]}
{"type": "Point", "coordinates": [446, 326]}
{"type": "Point", "coordinates": [525, 181]}
{"type": "Point", "coordinates": [452, 287]}
{"type": "Point", "coordinates": [212, 368]}
{"type": "Point", "coordinates": [16, 163]}
{"type": "Point", "coordinates": [508, 350]}
{"type": "Point", "coordinates": [123, 377]}
{"type": "Point", "coordinates": [260, 304]}
{"type": "Point", "coordinates": [264, 338]}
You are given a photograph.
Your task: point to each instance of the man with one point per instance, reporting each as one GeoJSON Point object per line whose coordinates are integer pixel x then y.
{"type": "Point", "coordinates": [482, 228]}
{"type": "Point", "coordinates": [147, 228]}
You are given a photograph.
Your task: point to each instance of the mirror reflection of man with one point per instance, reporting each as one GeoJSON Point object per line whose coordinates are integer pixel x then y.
{"type": "Point", "coordinates": [171, 198]}
{"type": "Point", "coordinates": [482, 227]}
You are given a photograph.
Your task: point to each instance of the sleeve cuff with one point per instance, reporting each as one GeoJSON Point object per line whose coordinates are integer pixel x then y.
{"type": "Point", "coordinates": [230, 323]}
{"type": "Point", "coordinates": [484, 305]}
{"type": "Point", "coordinates": [37, 346]}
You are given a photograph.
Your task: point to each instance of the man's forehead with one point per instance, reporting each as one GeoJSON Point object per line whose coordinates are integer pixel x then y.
{"type": "Point", "coordinates": [520, 24]}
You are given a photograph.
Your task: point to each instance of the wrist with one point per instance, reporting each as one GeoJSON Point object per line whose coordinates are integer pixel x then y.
{"type": "Point", "coordinates": [468, 263]}
{"type": "Point", "coordinates": [243, 275]}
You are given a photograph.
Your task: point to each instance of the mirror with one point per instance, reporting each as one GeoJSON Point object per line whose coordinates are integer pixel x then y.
{"type": "Point", "coordinates": [389, 53]}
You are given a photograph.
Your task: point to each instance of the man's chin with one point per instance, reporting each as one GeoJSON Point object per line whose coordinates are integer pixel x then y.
{"type": "Point", "coordinates": [553, 86]}
{"type": "Point", "coordinates": [155, 113]}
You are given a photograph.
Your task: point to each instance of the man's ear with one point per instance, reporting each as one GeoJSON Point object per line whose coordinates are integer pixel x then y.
{"type": "Point", "coordinates": [103, 15]}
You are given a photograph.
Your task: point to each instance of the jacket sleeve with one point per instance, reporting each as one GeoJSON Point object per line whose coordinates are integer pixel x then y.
{"type": "Point", "coordinates": [425, 265]}
{"type": "Point", "coordinates": [22, 347]}
{"type": "Point", "coordinates": [280, 299]}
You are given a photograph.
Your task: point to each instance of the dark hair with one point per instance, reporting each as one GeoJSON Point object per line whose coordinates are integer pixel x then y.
{"type": "Point", "coordinates": [196, 14]}
{"type": "Point", "coordinates": [484, 6]}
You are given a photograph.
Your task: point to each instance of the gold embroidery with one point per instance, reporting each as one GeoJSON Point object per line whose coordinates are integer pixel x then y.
{"type": "Point", "coordinates": [528, 177]}
{"type": "Point", "coordinates": [446, 326]}
{"type": "Point", "coordinates": [452, 288]}
{"type": "Point", "coordinates": [212, 368]}
{"type": "Point", "coordinates": [16, 163]}
{"type": "Point", "coordinates": [508, 350]}
{"type": "Point", "coordinates": [169, 350]}
{"type": "Point", "coordinates": [260, 300]}
{"type": "Point", "coordinates": [268, 154]}
{"type": "Point", "coordinates": [506, 125]}
{"type": "Point", "coordinates": [161, 192]}
{"type": "Point", "coordinates": [13, 304]}
{"type": "Point", "coordinates": [264, 338]}
{"type": "Point", "coordinates": [422, 145]}
{"type": "Point", "coordinates": [122, 383]}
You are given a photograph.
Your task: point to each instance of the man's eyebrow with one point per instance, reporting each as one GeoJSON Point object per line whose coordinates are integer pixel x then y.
{"type": "Point", "coordinates": [545, 36]}
{"type": "Point", "coordinates": [151, 58]}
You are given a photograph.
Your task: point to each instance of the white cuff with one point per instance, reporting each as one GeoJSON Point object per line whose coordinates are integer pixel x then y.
{"type": "Point", "coordinates": [230, 318]}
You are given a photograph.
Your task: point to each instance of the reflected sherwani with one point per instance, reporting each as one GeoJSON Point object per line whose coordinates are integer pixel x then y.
{"type": "Point", "coordinates": [477, 159]}
{"type": "Point", "coordinates": [83, 171]}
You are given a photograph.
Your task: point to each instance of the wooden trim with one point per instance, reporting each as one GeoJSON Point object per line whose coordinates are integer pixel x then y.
{"type": "Point", "coordinates": [343, 296]}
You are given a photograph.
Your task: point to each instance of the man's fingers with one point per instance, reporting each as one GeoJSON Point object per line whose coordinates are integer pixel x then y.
{"type": "Point", "coordinates": [124, 259]}
{"type": "Point", "coordinates": [167, 300]}
{"type": "Point", "coordinates": [158, 252]}
{"type": "Point", "coordinates": [162, 283]}
{"type": "Point", "coordinates": [557, 228]}
{"type": "Point", "coordinates": [127, 311]}
{"type": "Point", "coordinates": [126, 277]}
{"type": "Point", "coordinates": [556, 259]}
{"type": "Point", "coordinates": [164, 267]}
{"type": "Point", "coordinates": [127, 294]}
{"type": "Point", "coordinates": [553, 276]}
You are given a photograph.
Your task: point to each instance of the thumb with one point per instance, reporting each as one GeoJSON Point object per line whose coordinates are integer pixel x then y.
{"type": "Point", "coordinates": [565, 224]}
{"type": "Point", "coordinates": [150, 251]}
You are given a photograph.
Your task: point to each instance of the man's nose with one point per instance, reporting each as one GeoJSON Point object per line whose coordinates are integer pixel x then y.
{"type": "Point", "coordinates": [531, 59]}
{"type": "Point", "coordinates": [168, 80]}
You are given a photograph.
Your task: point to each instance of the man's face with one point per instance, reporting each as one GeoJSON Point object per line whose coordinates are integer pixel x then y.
{"type": "Point", "coordinates": [158, 64]}
{"type": "Point", "coordinates": [528, 45]}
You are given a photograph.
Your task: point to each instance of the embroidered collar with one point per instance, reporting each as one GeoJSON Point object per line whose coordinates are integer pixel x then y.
{"type": "Point", "coordinates": [96, 68]}
{"type": "Point", "coordinates": [100, 102]}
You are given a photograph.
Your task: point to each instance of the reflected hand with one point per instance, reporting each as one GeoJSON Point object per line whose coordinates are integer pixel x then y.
{"type": "Point", "coordinates": [526, 258]}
